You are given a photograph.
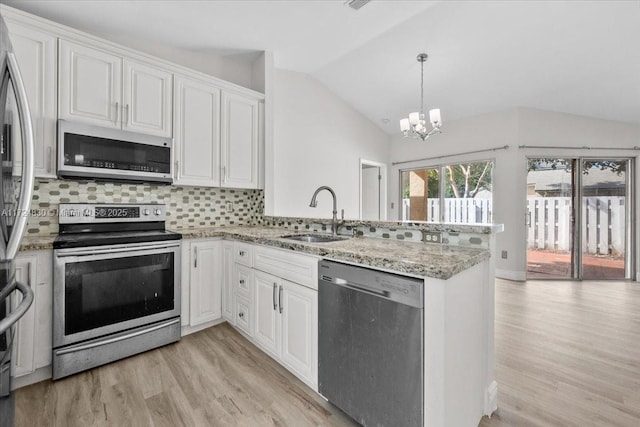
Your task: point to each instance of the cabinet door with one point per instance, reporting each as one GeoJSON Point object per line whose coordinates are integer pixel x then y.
{"type": "Point", "coordinates": [42, 305]}
{"type": "Point", "coordinates": [197, 133]}
{"type": "Point", "coordinates": [23, 352]}
{"type": "Point", "coordinates": [240, 137]}
{"type": "Point", "coordinates": [90, 87]}
{"type": "Point", "coordinates": [206, 280]}
{"type": "Point", "coordinates": [227, 282]}
{"type": "Point", "coordinates": [267, 318]}
{"type": "Point", "coordinates": [299, 348]}
{"type": "Point", "coordinates": [147, 99]}
{"type": "Point", "coordinates": [36, 55]}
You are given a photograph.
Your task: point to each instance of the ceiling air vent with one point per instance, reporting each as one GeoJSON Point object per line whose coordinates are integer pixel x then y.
{"type": "Point", "coordinates": [356, 4]}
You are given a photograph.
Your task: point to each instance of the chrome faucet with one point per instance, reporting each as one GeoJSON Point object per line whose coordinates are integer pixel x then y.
{"type": "Point", "coordinates": [334, 220]}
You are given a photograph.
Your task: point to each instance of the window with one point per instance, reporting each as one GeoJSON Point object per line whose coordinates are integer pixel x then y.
{"type": "Point", "coordinates": [463, 195]}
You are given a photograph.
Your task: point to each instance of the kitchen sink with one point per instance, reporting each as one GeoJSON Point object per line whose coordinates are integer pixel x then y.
{"type": "Point", "coordinates": [313, 238]}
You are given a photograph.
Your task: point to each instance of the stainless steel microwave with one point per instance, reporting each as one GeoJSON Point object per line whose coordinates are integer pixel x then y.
{"type": "Point", "coordinates": [93, 152]}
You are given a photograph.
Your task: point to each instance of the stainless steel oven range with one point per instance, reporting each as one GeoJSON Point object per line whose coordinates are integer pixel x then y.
{"type": "Point", "coordinates": [116, 286]}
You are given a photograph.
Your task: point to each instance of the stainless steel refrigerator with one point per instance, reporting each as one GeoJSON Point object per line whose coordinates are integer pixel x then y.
{"type": "Point", "coordinates": [16, 181]}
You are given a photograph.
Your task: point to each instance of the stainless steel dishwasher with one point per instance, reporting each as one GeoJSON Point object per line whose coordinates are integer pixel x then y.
{"type": "Point", "coordinates": [370, 343]}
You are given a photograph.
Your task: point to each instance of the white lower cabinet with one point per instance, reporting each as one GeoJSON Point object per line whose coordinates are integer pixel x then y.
{"type": "Point", "coordinates": [251, 287]}
{"type": "Point", "coordinates": [33, 339]}
{"type": "Point", "coordinates": [267, 319]}
{"type": "Point", "coordinates": [298, 311]}
{"type": "Point", "coordinates": [286, 324]}
{"type": "Point", "coordinates": [206, 277]}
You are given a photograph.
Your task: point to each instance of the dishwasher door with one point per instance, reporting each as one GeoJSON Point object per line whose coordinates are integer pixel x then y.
{"type": "Point", "coordinates": [370, 343]}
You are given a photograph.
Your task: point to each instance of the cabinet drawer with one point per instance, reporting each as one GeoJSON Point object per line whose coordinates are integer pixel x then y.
{"type": "Point", "coordinates": [243, 254]}
{"type": "Point", "coordinates": [243, 316]}
{"type": "Point", "coordinates": [242, 281]}
{"type": "Point", "coordinates": [302, 269]}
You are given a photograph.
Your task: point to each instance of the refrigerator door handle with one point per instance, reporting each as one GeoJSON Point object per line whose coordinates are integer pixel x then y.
{"type": "Point", "coordinates": [20, 310]}
{"type": "Point", "coordinates": [26, 188]}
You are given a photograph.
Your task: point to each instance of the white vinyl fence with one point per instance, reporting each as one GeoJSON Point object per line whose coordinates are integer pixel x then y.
{"type": "Point", "coordinates": [548, 219]}
{"type": "Point", "coordinates": [460, 211]}
{"type": "Point", "coordinates": [603, 225]}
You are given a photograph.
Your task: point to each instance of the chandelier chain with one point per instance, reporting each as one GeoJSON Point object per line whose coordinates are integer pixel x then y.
{"type": "Point", "coordinates": [421, 88]}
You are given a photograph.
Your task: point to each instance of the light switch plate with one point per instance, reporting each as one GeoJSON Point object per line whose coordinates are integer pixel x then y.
{"type": "Point", "coordinates": [229, 206]}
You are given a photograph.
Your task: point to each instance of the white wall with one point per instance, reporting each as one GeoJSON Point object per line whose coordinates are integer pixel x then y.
{"type": "Point", "coordinates": [515, 127]}
{"type": "Point", "coordinates": [318, 140]}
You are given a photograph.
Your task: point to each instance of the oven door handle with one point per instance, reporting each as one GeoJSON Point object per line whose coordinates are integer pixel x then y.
{"type": "Point", "coordinates": [99, 343]}
{"type": "Point", "coordinates": [114, 250]}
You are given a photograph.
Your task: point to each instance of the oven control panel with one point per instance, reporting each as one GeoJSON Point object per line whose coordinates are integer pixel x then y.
{"type": "Point", "coordinates": [78, 213]}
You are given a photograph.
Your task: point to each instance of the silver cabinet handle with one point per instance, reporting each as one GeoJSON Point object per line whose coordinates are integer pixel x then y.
{"type": "Point", "coordinates": [195, 257]}
{"type": "Point", "coordinates": [49, 159]}
{"type": "Point", "coordinates": [28, 154]}
{"type": "Point", "coordinates": [241, 315]}
{"type": "Point", "coordinates": [125, 116]}
{"type": "Point", "coordinates": [224, 174]}
{"type": "Point", "coordinates": [115, 121]}
{"type": "Point", "coordinates": [177, 169]}
{"type": "Point", "coordinates": [280, 299]}
{"type": "Point", "coordinates": [275, 303]}
{"type": "Point", "coordinates": [242, 253]}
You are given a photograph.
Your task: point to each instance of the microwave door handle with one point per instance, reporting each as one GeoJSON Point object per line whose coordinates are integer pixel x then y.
{"type": "Point", "coordinates": [20, 310]}
{"type": "Point", "coordinates": [26, 188]}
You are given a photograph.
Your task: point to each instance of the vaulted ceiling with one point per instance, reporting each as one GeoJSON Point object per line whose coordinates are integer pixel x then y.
{"type": "Point", "coordinates": [580, 57]}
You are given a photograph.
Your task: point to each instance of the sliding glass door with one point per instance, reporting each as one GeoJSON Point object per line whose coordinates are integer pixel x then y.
{"type": "Point", "coordinates": [604, 228]}
{"type": "Point", "coordinates": [550, 191]}
{"type": "Point", "coordinates": [578, 218]}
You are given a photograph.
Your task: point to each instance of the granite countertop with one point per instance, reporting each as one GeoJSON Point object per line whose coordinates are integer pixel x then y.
{"type": "Point", "coordinates": [416, 259]}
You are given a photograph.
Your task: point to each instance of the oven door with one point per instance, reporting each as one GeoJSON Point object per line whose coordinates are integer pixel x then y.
{"type": "Point", "coordinates": [101, 290]}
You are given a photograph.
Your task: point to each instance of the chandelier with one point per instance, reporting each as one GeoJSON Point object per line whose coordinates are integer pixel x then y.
{"type": "Point", "coordinates": [416, 126]}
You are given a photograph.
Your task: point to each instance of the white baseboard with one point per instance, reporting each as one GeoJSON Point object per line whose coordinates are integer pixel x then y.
{"type": "Point", "coordinates": [491, 399]}
{"type": "Point", "coordinates": [186, 330]}
{"type": "Point", "coordinates": [519, 276]}
{"type": "Point", "coordinates": [36, 376]}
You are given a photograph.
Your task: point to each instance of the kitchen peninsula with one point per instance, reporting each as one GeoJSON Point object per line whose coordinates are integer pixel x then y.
{"type": "Point", "coordinates": [223, 268]}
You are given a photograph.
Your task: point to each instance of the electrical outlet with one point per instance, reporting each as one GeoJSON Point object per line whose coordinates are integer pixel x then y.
{"type": "Point", "coordinates": [432, 236]}
{"type": "Point", "coordinates": [504, 254]}
{"type": "Point", "coordinates": [229, 206]}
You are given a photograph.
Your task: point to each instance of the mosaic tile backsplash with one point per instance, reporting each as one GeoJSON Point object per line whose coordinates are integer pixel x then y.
{"type": "Point", "coordinates": [187, 207]}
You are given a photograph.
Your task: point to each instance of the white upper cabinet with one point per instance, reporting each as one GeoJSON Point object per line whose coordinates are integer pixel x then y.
{"type": "Point", "coordinates": [105, 89]}
{"type": "Point", "coordinates": [147, 99]}
{"type": "Point", "coordinates": [90, 87]}
{"type": "Point", "coordinates": [240, 141]}
{"type": "Point", "coordinates": [36, 54]}
{"type": "Point", "coordinates": [197, 132]}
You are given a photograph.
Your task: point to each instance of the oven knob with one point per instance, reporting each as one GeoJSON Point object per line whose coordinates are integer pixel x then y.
{"type": "Point", "coordinates": [86, 212]}
{"type": "Point", "coordinates": [145, 212]}
{"type": "Point", "coordinates": [72, 213]}
{"type": "Point", "coordinates": [157, 211]}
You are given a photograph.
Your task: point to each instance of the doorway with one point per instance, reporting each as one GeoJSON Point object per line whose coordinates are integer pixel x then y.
{"type": "Point", "coordinates": [578, 218]}
{"type": "Point", "coordinates": [373, 178]}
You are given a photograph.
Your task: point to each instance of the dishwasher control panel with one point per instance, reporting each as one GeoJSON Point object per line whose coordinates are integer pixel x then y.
{"type": "Point", "coordinates": [394, 287]}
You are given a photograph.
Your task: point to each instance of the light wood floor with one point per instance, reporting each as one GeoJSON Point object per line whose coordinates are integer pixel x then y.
{"type": "Point", "coordinates": [211, 378]}
{"type": "Point", "coordinates": [568, 354]}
